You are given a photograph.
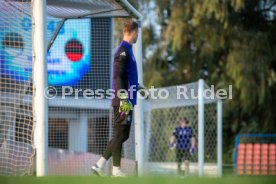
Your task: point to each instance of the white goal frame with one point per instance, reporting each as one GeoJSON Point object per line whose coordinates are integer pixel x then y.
{"type": "Point", "coordinates": [40, 103]}
{"type": "Point", "coordinates": [201, 121]}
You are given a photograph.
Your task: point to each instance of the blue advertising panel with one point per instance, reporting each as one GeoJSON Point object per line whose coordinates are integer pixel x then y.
{"type": "Point", "coordinates": [68, 58]}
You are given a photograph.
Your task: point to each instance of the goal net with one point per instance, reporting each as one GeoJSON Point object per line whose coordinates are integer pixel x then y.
{"type": "Point", "coordinates": [79, 35]}
{"type": "Point", "coordinates": [162, 116]}
{"type": "Point", "coordinates": [16, 125]}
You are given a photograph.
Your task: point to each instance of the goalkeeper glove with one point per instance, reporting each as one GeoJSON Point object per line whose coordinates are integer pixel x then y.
{"type": "Point", "coordinates": [193, 150]}
{"type": "Point", "coordinates": [172, 145]}
{"type": "Point", "coordinates": [125, 104]}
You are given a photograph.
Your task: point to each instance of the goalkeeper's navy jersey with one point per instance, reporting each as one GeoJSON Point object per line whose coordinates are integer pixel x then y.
{"type": "Point", "coordinates": [125, 72]}
{"type": "Point", "coordinates": [183, 136]}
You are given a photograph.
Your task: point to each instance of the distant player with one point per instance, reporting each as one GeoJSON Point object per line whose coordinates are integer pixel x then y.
{"type": "Point", "coordinates": [125, 77]}
{"type": "Point", "coordinates": [183, 140]}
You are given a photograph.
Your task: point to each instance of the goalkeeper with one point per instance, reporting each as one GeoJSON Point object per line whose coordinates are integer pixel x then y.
{"type": "Point", "coordinates": [125, 85]}
{"type": "Point", "coordinates": [185, 144]}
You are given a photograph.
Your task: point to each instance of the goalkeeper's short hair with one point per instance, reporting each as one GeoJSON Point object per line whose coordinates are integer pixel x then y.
{"type": "Point", "coordinates": [129, 26]}
{"type": "Point", "coordinates": [184, 119]}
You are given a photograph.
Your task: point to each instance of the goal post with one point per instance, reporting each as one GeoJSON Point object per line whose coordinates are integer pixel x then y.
{"type": "Point", "coordinates": [40, 83]}
{"type": "Point", "coordinates": [138, 112]}
{"type": "Point", "coordinates": [219, 136]}
{"type": "Point", "coordinates": [200, 128]}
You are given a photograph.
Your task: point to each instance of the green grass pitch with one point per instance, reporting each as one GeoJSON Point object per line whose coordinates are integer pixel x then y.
{"type": "Point", "coordinates": [136, 180]}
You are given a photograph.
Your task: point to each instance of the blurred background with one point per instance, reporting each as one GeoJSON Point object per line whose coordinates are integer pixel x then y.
{"type": "Point", "coordinates": [234, 40]}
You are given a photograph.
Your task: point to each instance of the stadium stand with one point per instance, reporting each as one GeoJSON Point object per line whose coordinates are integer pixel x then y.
{"type": "Point", "coordinates": [256, 159]}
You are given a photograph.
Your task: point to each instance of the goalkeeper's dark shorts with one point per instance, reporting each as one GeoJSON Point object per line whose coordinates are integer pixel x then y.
{"type": "Point", "coordinates": [182, 155]}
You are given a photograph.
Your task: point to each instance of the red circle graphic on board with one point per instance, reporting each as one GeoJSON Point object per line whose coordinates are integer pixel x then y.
{"type": "Point", "coordinates": [74, 50]}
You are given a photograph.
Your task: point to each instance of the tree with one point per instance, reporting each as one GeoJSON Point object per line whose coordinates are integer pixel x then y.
{"type": "Point", "coordinates": [236, 39]}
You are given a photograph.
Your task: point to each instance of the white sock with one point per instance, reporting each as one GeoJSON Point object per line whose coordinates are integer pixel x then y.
{"type": "Point", "coordinates": [101, 162]}
{"type": "Point", "coordinates": [115, 169]}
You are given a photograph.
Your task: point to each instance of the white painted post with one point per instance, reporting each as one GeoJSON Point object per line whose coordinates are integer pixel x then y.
{"type": "Point", "coordinates": [138, 112]}
{"type": "Point", "coordinates": [40, 82]}
{"type": "Point", "coordinates": [219, 136]}
{"type": "Point", "coordinates": [200, 127]}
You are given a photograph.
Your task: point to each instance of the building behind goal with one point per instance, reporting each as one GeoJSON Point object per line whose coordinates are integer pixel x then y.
{"type": "Point", "coordinates": [52, 54]}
